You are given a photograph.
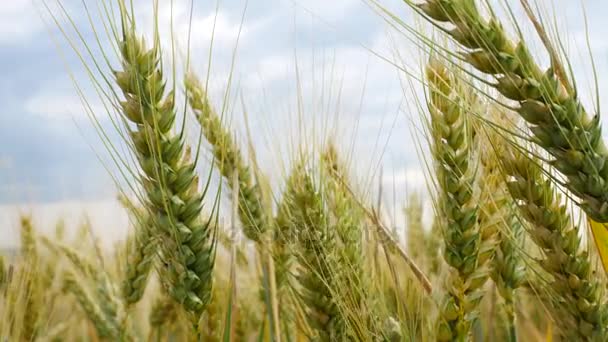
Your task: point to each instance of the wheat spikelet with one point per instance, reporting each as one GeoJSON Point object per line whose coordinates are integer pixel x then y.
{"type": "Point", "coordinates": [283, 241]}
{"type": "Point", "coordinates": [557, 119]}
{"type": "Point", "coordinates": [452, 152]}
{"type": "Point", "coordinates": [28, 239]}
{"type": "Point", "coordinates": [552, 230]}
{"type": "Point", "coordinates": [141, 252]}
{"type": "Point", "coordinates": [250, 201]}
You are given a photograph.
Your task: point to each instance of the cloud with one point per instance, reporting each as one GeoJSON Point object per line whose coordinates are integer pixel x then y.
{"type": "Point", "coordinates": [19, 20]}
{"type": "Point", "coordinates": [327, 10]}
{"type": "Point", "coordinates": [55, 105]}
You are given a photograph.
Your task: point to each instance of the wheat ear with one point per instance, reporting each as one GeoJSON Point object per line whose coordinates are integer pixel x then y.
{"type": "Point", "coordinates": [316, 255]}
{"type": "Point", "coordinates": [553, 231]}
{"type": "Point", "coordinates": [451, 148]}
{"type": "Point", "coordinates": [174, 200]}
{"type": "Point", "coordinates": [498, 218]}
{"type": "Point", "coordinates": [32, 291]}
{"type": "Point", "coordinates": [284, 239]}
{"type": "Point", "coordinates": [229, 160]}
{"type": "Point", "coordinates": [105, 295]}
{"type": "Point", "coordinates": [285, 242]}
{"type": "Point", "coordinates": [3, 272]}
{"type": "Point", "coordinates": [252, 212]}
{"type": "Point", "coordinates": [415, 230]}
{"type": "Point", "coordinates": [557, 119]}
{"type": "Point", "coordinates": [163, 314]}
{"type": "Point", "coordinates": [141, 253]}
{"type": "Point", "coordinates": [106, 328]}
{"type": "Point", "coordinates": [347, 218]}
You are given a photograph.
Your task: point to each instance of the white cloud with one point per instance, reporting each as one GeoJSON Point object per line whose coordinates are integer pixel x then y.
{"type": "Point", "coordinates": [19, 19]}
{"type": "Point", "coordinates": [56, 105]}
{"type": "Point", "coordinates": [327, 10]}
{"type": "Point", "coordinates": [201, 28]}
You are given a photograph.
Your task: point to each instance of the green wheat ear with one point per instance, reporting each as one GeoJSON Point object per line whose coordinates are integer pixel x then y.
{"type": "Point", "coordinates": [31, 285]}
{"type": "Point", "coordinates": [315, 253]}
{"type": "Point", "coordinates": [229, 161]}
{"type": "Point", "coordinates": [3, 273]}
{"type": "Point", "coordinates": [173, 198]}
{"type": "Point", "coordinates": [141, 252]}
{"type": "Point", "coordinates": [551, 228]}
{"type": "Point", "coordinates": [163, 313]}
{"type": "Point", "coordinates": [416, 239]}
{"type": "Point", "coordinates": [347, 219]}
{"type": "Point", "coordinates": [452, 151]}
{"type": "Point", "coordinates": [498, 217]}
{"type": "Point", "coordinates": [106, 326]}
{"type": "Point", "coordinates": [284, 242]}
{"type": "Point", "coordinates": [140, 259]}
{"type": "Point", "coordinates": [558, 121]}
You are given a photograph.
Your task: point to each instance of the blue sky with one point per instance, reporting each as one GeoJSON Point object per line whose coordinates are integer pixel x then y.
{"type": "Point", "coordinates": [49, 149]}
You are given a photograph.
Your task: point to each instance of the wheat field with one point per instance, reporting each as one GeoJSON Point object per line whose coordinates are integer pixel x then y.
{"type": "Point", "coordinates": [219, 230]}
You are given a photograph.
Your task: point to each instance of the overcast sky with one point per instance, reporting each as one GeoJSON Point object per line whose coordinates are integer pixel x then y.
{"type": "Point", "coordinates": [49, 149]}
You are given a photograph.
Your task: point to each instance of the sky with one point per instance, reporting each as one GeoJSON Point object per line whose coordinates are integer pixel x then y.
{"type": "Point", "coordinates": [317, 49]}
